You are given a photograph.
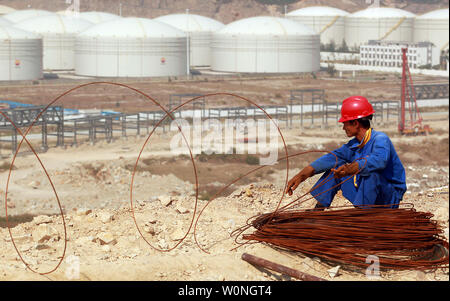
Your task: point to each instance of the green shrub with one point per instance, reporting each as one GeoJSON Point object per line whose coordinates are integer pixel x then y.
{"type": "Point", "coordinates": [251, 160]}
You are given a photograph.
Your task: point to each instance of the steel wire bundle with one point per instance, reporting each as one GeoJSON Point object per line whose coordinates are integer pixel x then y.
{"type": "Point", "coordinates": [401, 238]}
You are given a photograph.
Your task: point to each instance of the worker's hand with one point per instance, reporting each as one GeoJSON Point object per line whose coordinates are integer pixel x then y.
{"type": "Point", "coordinates": [306, 172]}
{"type": "Point", "coordinates": [346, 170]}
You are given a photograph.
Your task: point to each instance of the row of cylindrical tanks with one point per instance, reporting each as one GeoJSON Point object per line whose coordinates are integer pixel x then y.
{"type": "Point", "coordinates": [106, 45]}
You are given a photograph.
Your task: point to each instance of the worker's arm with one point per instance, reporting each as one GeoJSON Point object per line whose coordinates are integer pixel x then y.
{"type": "Point", "coordinates": [346, 170]}
{"type": "Point", "coordinates": [325, 162]}
{"type": "Point", "coordinates": [328, 161]}
{"type": "Point", "coordinates": [379, 157]}
{"type": "Point", "coordinates": [305, 173]}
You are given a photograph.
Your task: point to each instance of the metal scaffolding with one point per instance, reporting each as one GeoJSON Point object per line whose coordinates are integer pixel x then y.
{"type": "Point", "coordinates": [302, 97]}
{"type": "Point", "coordinates": [23, 118]}
{"type": "Point", "coordinates": [433, 91]}
{"type": "Point", "coordinates": [69, 129]}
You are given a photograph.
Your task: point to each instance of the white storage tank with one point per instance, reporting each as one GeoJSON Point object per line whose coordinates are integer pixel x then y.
{"type": "Point", "coordinates": [378, 23]}
{"type": "Point", "coordinates": [4, 22]}
{"type": "Point", "coordinates": [69, 13]}
{"type": "Point", "coordinates": [199, 30]}
{"type": "Point", "coordinates": [59, 34]}
{"type": "Point", "coordinates": [433, 27]}
{"type": "Point", "coordinates": [22, 15]}
{"type": "Point", "coordinates": [329, 22]}
{"type": "Point", "coordinates": [6, 10]}
{"type": "Point", "coordinates": [98, 17]}
{"type": "Point", "coordinates": [20, 54]}
{"type": "Point", "coordinates": [265, 45]}
{"type": "Point", "coordinates": [131, 47]}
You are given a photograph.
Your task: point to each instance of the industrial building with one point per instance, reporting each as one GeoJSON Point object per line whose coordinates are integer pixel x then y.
{"type": "Point", "coordinates": [433, 27]}
{"type": "Point", "coordinates": [379, 23]}
{"type": "Point", "coordinates": [265, 45]}
{"type": "Point", "coordinates": [6, 10]}
{"type": "Point", "coordinates": [103, 44]}
{"type": "Point", "coordinates": [20, 54]}
{"type": "Point", "coordinates": [4, 22]}
{"type": "Point", "coordinates": [329, 22]}
{"type": "Point", "coordinates": [22, 15]}
{"type": "Point", "coordinates": [131, 47]}
{"type": "Point", "coordinates": [98, 17]}
{"type": "Point", "coordinates": [199, 30]}
{"type": "Point", "coordinates": [58, 33]}
{"type": "Point", "coordinates": [389, 54]}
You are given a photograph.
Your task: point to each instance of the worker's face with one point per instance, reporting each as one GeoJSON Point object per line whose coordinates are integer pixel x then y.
{"type": "Point", "coordinates": [351, 128]}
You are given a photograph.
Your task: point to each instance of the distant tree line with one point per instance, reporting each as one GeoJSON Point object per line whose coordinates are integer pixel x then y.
{"type": "Point", "coordinates": [429, 66]}
{"type": "Point", "coordinates": [332, 47]}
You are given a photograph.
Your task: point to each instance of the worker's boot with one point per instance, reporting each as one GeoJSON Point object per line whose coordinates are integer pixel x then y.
{"type": "Point", "coordinates": [318, 207]}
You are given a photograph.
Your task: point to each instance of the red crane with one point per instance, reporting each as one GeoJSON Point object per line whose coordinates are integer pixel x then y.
{"type": "Point", "coordinates": [414, 125]}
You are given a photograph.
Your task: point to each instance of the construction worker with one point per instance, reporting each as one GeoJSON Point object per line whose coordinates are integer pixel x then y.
{"type": "Point", "coordinates": [378, 181]}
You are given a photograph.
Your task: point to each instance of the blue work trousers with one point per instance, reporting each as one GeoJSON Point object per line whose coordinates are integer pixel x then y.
{"type": "Point", "coordinates": [370, 190]}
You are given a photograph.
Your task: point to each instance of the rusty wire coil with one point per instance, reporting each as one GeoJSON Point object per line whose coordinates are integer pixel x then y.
{"type": "Point", "coordinates": [402, 239]}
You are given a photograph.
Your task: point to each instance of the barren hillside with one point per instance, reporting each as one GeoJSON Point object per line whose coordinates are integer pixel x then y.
{"type": "Point", "coordinates": [223, 10]}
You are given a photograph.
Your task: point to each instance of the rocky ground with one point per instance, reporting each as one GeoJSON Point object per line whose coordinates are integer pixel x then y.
{"type": "Point", "coordinates": [104, 242]}
{"type": "Point", "coordinates": [107, 245]}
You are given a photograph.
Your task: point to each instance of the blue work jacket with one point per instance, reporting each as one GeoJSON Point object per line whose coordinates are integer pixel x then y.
{"type": "Point", "coordinates": [381, 158]}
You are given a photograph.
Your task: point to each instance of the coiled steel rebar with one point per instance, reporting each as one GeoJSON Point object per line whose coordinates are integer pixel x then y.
{"type": "Point", "coordinates": [401, 238]}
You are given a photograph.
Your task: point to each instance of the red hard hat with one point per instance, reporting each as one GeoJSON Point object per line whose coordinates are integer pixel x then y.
{"type": "Point", "coordinates": [355, 107]}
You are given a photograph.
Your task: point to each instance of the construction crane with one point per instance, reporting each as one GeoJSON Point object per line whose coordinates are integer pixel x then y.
{"type": "Point", "coordinates": [413, 126]}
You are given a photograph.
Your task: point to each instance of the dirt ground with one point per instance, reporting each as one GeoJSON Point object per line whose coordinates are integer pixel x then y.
{"type": "Point", "coordinates": [119, 98]}
{"type": "Point", "coordinates": [103, 243]}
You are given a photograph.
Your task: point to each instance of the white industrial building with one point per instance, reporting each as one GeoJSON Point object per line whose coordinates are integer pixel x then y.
{"type": "Point", "coordinates": [199, 30]}
{"type": "Point", "coordinates": [98, 17]}
{"type": "Point", "coordinates": [329, 22]}
{"type": "Point", "coordinates": [265, 45]}
{"type": "Point", "coordinates": [59, 34]}
{"type": "Point", "coordinates": [22, 15]}
{"type": "Point", "coordinates": [131, 47]}
{"type": "Point", "coordinates": [389, 54]}
{"type": "Point", "coordinates": [6, 10]}
{"type": "Point", "coordinates": [20, 54]}
{"type": "Point", "coordinates": [378, 23]}
{"type": "Point", "coordinates": [433, 27]}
